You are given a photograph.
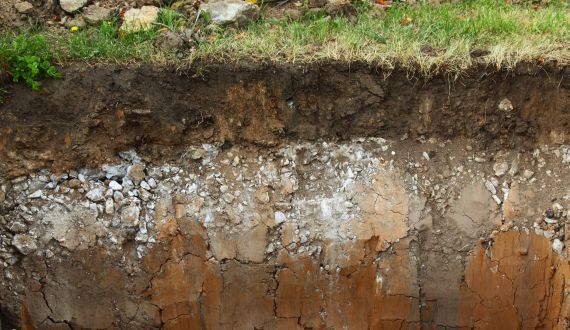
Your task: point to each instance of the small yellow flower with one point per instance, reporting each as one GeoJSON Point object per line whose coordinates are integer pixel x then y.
{"type": "Point", "coordinates": [74, 28]}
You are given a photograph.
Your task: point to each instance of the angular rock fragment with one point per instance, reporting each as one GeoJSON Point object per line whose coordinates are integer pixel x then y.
{"type": "Point", "coordinates": [24, 243]}
{"type": "Point", "coordinates": [95, 195]}
{"type": "Point", "coordinates": [72, 5]}
{"type": "Point", "coordinates": [228, 12]}
{"type": "Point", "coordinates": [139, 19]}
{"type": "Point", "coordinates": [24, 7]}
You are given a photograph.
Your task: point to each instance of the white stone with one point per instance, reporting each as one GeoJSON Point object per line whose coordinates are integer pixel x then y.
{"type": "Point", "coordinates": [139, 19]}
{"type": "Point", "coordinates": [115, 186]}
{"type": "Point", "coordinates": [548, 234]}
{"type": "Point", "coordinates": [24, 243]}
{"type": "Point", "coordinates": [528, 174]}
{"type": "Point", "coordinates": [514, 167]}
{"type": "Point", "coordinates": [506, 105]}
{"type": "Point", "coordinates": [231, 12]}
{"type": "Point", "coordinates": [280, 217]}
{"type": "Point", "coordinates": [109, 206]}
{"type": "Point", "coordinates": [550, 221]}
{"type": "Point", "coordinates": [490, 187]}
{"type": "Point", "coordinates": [500, 168]}
{"type": "Point", "coordinates": [145, 185]}
{"type": "Point", "coordinates": [118, 196]}
{"type": "Point", "coordinates": [130, 215]}
{"type": "Point", "coordinates": [497, 199]}
{"type": "Point", "coordinates": [95, 195]}
{"type": "Point", "coordinates": [114, 172]}
{"type": "Point", "coordinates": [228, 198]}
{"type": "Point", "coordinates": [35, 195]}
{"type": "Point", "coordinates": [72, 5]}
{"type": "Point", "coordinates": [557, 245]}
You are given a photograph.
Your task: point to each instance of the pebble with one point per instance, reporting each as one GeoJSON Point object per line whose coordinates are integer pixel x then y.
{"type": "Point", "coordinates": [514, 170]}
{"type": "Point", "coordinates": [115, 186]}
{"type": "Point", "coordinates": [557, 245]}
{"type": "Point", "coordinates": [24, 243]}
{"type": "Point", "coordinates": [114, 172]}
{"type": "Point", "coordinates": [280, 217]}
{"type": "Point", "coordinates": [136, 172]}
{"type": "Point", "coordinates": [118, 196]}
{"type": "Point", "coordinates": [36, 195]}
{"type": "Point", "coordinates": [198, 153]}
{"type": "Point", "coordinates": [505, 105]}
{"type": "Point", "coordinates": [500, 168]}
{"type": "Point", "coordinates": [109, 206]}
{"type": "Point", "coordinates": [95, 195]}
{"type": "Point", "coordinates": [130, 215]}
{"type": "Point", "coordinates": [228, 198]}
{"type": "Point", "coordinates": [490, 187]}
{"type": "Point", "coordinates": [74, 183]}
{"type": "Point", "coordinates": [72, 5]}
{"type": "Point", "coordinates": [497, 199]}
{"type": "Point", "coordinates": [129, 155]}
{"type": "Point", "coordinates": [145, 185]}
{"type": "Point", "coordinates": [18, 227]}
{"type": "Point", "coordinates": [152, 183]}
{"type": "Point", "coordinates": [550, 221]}
{"type": "Point", "coordinates": [528, 174]}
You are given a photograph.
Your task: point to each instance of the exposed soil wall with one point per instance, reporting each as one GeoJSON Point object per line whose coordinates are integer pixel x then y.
{"type": "Point", "coordinates": [285, 197]}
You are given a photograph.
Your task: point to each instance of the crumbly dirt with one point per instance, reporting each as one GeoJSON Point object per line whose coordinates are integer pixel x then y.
{"type": "Point", "coordinates": [285, 197]}
{"type": "Point", "coordinates": [94, 112]}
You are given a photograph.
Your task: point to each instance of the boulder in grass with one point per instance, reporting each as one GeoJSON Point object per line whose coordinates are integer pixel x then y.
{"type": "Point", "coordinates": [72, 5]}
{"type": "Point", "coordinates": [136, 19]}
{"type": "Point", "coordinates": [24, 7]}
{"type": "Point", "coordinates": [231, 12]}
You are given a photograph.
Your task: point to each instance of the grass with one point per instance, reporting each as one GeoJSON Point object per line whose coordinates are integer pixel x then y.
{"type": "Point", "coordinates": [423, 37]}
{"type": "Point", "coordinates": [450, 31]}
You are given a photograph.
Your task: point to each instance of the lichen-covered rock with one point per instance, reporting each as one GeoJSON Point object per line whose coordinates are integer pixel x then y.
{"type": "Point", "coordinates": [231, 12]}
{"type": "Point", "coordinates": [139, 19]}
{"type": "Point", "coordinates": [72, 5]}
{"type": "Point", "coordinates": [23, 7]}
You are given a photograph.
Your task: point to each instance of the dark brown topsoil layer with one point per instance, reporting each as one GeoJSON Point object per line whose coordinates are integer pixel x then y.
{"type": "Point", "coordinates": [93, 112]}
